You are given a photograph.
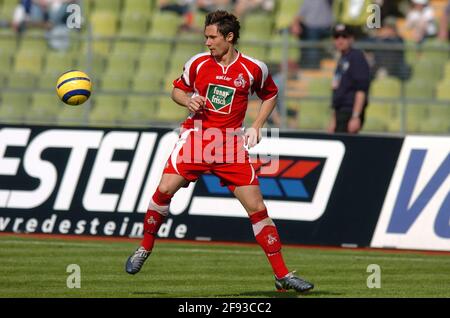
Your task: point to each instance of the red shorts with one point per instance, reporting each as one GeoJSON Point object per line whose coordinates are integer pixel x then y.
{"type": "Point", "coordinates": [232, 173]}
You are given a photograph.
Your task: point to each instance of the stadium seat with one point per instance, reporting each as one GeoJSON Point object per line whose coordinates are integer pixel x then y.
{"type": "Point", "coordinates": [190, 42]}
{"type": "Point", "coordinates": [47, 81]}
{"type": "Point", "coordinates": [160, 47]}
{"type": "Point", "coordinates": [129, 46]}
{"type": "Point", "coordinates": [377, 117]}
{"type": "Point", "coordinates": [107, 110]}
{"type": "Point", "coordinates": [253, 50]}
{"type": "Point", "coordinates": [286, 12]}
{"type": "Point", "coordinates": [276, 50]}
{"type": "Point", "coordinates": [44, 108]}
{"type": "Point", "coordinates": [28, 62]}
{"type": "Point", "coordinates": [7, 9]}
{"type": "Point", "coordinates": [154, 65]}
{"type": "Point", "coordinates": [427, 70]}
{"type": "Point", "coordinates": [94, 64]}
{"type": "Point", "coordinates": [388, 87]}
{"type": "Point", "coordinates": [58, 62]}
{"type": "Point", "coordinates": [437, 121]}
{"type": "Point", "coordinates": [104, 24]}
{"type": "Point", "coordinates": [140, 109]}
{"type": "Point", "coordinates": [34, 41]}
{"type": "Point", "coordinates": [8, 41]}
{"type": "Point", "coordinates": [110, 6]}
{"type": "Point", "coordinates": [21, 80]}
{"type": "Point", "coordinates": [145, 83]}
{"type": "Point", "coordinates": [14, 106]}
{"type": "Point", "coordinates": [69, 116]}
{"type": "Point", "coordinates": [169, 111]}
{"type": "Point", "coordinates": [436, 51]}
{"type": "Point", "coordinates": [164, 25]}
{"type": "Point", "coordinates": [257, 26]}
{"type": "Point", "coordinates": [142, 6]}
{"type": "Point", "coordinates": [121, 64]}
{"type": "Point", "coordinates": [133, 24]}
{"type": "Point", "coordinates": [319, 87]}
{"type": "Point", "coordinates": [115, 83]}
{"type": "Point", "coordinates": [419, 89]}
{"type": "Point", "coordinates": [415, 115]}
{"type": "Point", "coordinates": [314, 115]}
{"type": "Point", "coordinates": [443, 91]}
{"type": "Point", "coordinates": [5, 62]}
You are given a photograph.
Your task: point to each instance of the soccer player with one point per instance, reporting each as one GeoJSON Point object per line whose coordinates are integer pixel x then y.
{"type": "Point", "coordinates": [215, 87]}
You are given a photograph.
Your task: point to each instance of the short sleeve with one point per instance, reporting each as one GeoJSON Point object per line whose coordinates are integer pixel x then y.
{"type": "Point", "coordinates": [269, 89]}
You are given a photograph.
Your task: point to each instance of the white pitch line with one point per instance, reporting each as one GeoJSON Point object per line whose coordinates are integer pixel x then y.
{"type": "Point", "coordinates": [51, 243]}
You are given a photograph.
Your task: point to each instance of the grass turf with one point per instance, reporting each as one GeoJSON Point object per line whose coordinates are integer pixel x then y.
{"type": "Point", "coordinates": [34, 267]}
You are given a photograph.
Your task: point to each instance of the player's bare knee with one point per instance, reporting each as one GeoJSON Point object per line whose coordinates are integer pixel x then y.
{"type": "Point", "coordinates": [257, 207]}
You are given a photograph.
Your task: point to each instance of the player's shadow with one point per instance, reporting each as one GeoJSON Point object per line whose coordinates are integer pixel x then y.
{"type": "Point", "coordinates": [275, 294]}
{"type": "Point", "coordinates": [149, 294]}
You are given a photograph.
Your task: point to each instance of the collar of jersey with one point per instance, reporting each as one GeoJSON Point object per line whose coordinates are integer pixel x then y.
{"type": "Point", "coordinates": [226, 68]}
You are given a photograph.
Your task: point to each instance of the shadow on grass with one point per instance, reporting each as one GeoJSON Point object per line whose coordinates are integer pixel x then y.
{"type": "Point", "coordinates": [289, 294]}
{"type": "Point", "coordinates": [149, 294]}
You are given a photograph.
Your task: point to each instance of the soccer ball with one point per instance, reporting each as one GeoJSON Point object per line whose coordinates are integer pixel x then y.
{"type": "Point", "coordinates": [74, 87]}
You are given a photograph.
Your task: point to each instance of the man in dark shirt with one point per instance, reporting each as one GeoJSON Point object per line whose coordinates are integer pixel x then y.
{"type": "Point", "coordinates": [350, 84]}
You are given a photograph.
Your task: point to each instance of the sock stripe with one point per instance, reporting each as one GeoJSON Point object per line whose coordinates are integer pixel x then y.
{"type": "Point", "coordinates": [259, 216]}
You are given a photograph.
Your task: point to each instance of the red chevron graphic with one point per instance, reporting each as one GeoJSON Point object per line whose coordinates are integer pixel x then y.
{"type": "Point", "coordinates": [301, 169]}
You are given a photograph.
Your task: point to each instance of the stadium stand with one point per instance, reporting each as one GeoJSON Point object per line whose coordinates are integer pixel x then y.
{"type": "Point", "coordinates": [133, 52]}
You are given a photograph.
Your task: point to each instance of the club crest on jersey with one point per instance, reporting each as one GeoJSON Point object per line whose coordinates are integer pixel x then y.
{"type": "Point", "coordinates": [219, 98]}
{"type": "Point", "coordinates": [240, 81]}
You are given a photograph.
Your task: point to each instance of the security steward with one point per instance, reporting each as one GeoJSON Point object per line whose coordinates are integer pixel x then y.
{"type": "Point", "coordinates": [350, 84]}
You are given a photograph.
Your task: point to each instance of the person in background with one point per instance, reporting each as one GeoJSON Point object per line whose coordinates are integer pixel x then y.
{"type": "Point", "coordinates": [444, 23]}
{"type": "Point", "coordinates": [241, 7]}
{"type": "Point", "coordinates": [390, 60]}
{"type": "Point", "coordinates": [350, 84]}
{"type": "Point", "coordinates": [313, 23]}
{"type": "Point", "coordinates": [421, 19]}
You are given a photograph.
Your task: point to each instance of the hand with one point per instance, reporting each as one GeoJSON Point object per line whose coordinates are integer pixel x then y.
{"type": "Point", "coordinates": [196, 104]}
{"type": "Point", "coordinates": [332, 125]}
{"type": "Point", "coordinates": [252, 137]}
{"type": "Point", "coordinates": [354, 125]}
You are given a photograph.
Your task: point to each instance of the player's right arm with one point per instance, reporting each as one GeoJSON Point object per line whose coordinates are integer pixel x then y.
{"type": "Point", "coordinates": [194, 104]}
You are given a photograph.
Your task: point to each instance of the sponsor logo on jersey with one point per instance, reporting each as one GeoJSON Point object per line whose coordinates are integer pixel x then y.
{"type": "Point", "coordinates": [240, 81]}
{"type": "Point", "coordinates": [223, 78]}
{"type": "Point", "coordinates": [219, 98]}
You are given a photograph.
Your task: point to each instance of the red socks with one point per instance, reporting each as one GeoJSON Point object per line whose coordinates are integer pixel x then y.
{"type": "Point", "coordinates": [158, 209]}
{"type": "Point", "coordinates": [266, 235]}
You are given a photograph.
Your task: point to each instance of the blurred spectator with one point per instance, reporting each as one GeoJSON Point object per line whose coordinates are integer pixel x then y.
{"type": "Point", "coordinates": [389, 8]}
{"type": "Point", "coordinates": [313, 23]}
{"type": "Point", "coordinates": [40, 13]}
{"type": "Point", "coordinates": [421, 19]}
{"type": "Point", "coordinates": [390, 60]}
{"type": "Point", "coordinates": [29, 13]}
{"type": "Point", "coordinates": [354, 14]}
{"type": "Point", "coordinates": [242, 6]}
{"type": "Point", "coordinates": [213, 5]}
{"type": "Point", "coordinates": [350, 84]}
{"type": "Point", "coordinates": [181, 7]}
{"type": "Point", "coordinates": [444, 23]}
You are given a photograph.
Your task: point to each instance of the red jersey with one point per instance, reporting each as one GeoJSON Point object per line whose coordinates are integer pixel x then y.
{"type": "Point", "coordinates": [226, 88]}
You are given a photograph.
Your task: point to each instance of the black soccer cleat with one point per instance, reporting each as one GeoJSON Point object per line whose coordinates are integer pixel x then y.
{"type": "Point", "coordinates": [135, 261]}
{"type": "Point", "coordinates": [290, 281]}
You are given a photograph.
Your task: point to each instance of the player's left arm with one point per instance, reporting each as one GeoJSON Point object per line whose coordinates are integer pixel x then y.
{"type": "Point", "coordinates": [253, 134]}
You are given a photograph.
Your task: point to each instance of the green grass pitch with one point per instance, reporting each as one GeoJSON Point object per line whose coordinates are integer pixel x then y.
{"type": "Point", "coordinates": [36, 267]}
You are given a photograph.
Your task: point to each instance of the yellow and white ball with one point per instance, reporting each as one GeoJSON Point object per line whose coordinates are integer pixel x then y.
{"type": "Point", "coordinates": [74, 87]}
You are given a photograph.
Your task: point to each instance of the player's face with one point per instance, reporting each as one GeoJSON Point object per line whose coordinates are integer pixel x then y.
{"type": "Point", "coordinates": [216, 42]}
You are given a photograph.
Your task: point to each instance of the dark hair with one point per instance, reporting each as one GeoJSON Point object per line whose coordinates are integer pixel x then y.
{"type": "Point", "coordinates": [226, 23]}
